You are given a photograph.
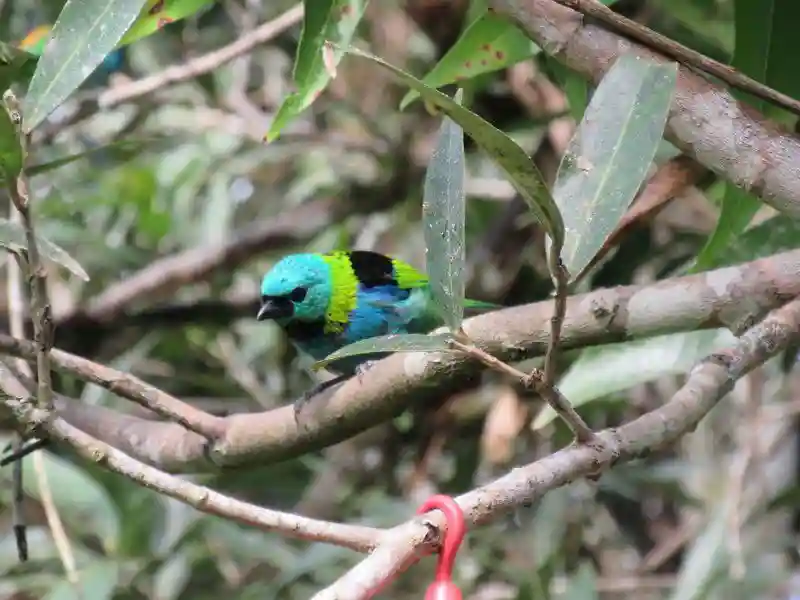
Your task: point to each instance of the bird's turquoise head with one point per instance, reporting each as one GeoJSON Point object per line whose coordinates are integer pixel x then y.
{"type": "Point", "coordinates": [298, 287]}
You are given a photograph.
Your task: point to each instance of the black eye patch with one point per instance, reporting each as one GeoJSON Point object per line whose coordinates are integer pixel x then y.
{"type": "Point", "coordinates": [298, 294]}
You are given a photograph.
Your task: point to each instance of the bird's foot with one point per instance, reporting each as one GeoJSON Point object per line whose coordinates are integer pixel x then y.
{"type": "Point", "coordinates": [306, 396]}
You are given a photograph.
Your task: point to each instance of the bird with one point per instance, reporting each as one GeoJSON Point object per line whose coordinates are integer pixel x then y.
{"type": "Point", "coordinates": [37, 39]}
{"type": "Point", "coordinates": [324, 302]}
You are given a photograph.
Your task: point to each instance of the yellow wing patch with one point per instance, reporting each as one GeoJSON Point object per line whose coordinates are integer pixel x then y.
{"type": "Point", "coordinates": [407, 276]}
{"type": "Point", "coordinates": [344, 287]}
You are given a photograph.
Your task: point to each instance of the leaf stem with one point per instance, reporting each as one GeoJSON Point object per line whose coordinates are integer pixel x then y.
{"type": "Point", "coordinates": [560, 279]}
{"type": "Point", "coordinates": [536, 382]}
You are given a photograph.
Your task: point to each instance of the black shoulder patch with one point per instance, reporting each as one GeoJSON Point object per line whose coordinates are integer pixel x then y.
{"type": "Point", "coordinates": [371, 268]}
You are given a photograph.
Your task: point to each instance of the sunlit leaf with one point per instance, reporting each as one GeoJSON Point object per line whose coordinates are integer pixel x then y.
{"type": "Point", "coordinates": [11, 153]}
{"type": "Point", "coordinates": [502, 149]}
{"type": "Point", "coordinates": [608, 157]}
{"type": "Point", "coordinates": [406, 342]}
{"type": "Point", "coordinates": [604, 370]}
{"type": "Point", "coordinates": [12, 238]}
{"type": "Point", "coordinates": [323, 20]}
{"type": "Point", "coordinates": [490, 43]}
{"type": "Point", "coordinates": [84, 33]}
{"type": "Point", "coordinates": [443, 214]}
{"type": "Point", "coordinates": [157, 13]}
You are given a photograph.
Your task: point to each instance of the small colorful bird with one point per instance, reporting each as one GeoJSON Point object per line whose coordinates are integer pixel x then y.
{"type": "Point", "coordinates": [38, 37]}
{"type": "Point", "coordinates": [327, 301]}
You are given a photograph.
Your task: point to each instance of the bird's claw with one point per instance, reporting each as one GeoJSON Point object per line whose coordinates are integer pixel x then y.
{"type": "Point", "coordinates": [304, 398]}
{"type": "Point", "coordinates": [12, 455]}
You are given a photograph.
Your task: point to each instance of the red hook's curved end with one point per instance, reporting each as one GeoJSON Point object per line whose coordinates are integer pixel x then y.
{"type": "Point", "coordinates": [456, 527]}
{"type": "Point", "coordinates": [443, 590]}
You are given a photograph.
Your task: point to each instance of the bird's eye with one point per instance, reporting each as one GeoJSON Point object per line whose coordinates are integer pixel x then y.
{"type": "Point", "coordinates": [298, 294]}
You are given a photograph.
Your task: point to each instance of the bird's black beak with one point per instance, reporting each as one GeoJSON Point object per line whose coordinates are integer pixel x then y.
{"type": "Point", "coordinates": [275, 308]}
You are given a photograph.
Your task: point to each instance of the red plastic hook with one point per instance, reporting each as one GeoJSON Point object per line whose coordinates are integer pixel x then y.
{"type": "Point", "coordinates": [443, 587]}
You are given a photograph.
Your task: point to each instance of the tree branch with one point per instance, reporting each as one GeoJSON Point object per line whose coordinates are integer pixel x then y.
{"type": "Point", "coordinates": [706, 121]}
{"type": "Point", "coordinates": [204, 499]}
{"type": "Point", "coordinates": [733, 297]}
{"type": "Point", "coordinates": [707, 384]}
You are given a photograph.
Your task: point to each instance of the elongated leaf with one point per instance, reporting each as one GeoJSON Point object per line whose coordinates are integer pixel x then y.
{"type": "Point", "coordinates": [520, 169]}
{"type": "Point", "coordinates": [84, 33]}
{"type": "Point", "coordinates": [157, 13]}
{"type": "Point", "coordinates": [98, 581]}
{"type": "Point", "coordinates": [738, 209]}
{"type": "Point", "coordinates": [323, 20]}
{"type": "Point", "coordinates": [604, 370]}
{"type": "Point", "coordinates": [406, 342]}
{"type": "Point", "coordinates": [781, 233]}
{"type": "Point", "coordinates": [490, 43]}
{"type": "Point", "coordinates": [11, 155]}
{"type": "Point", "coordinates": [443, 215]}
{"type": "Point", "coordinates": [12, 238]}
{"type": "Point", "coordinates": [608, 157]}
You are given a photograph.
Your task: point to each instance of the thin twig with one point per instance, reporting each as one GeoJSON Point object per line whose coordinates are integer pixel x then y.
{"type": "Point", "coordinates": [37, 276]}
{"type": "Point", "coordinates": [560, 277]}
{"type": "Point", "coordinates": [535, 381]}
{"type": "Point", "coordinates": [202, 64]}
{"type": "Point", "coordinates": [680, 53]}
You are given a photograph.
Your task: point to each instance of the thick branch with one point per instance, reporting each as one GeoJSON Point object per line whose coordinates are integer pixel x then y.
{"type": "Point", "coordinates": [733, 297]}
{"type": "Point", "coordinates": [729, 137]}
{"type": "Point", "coordinates": [708, 382]}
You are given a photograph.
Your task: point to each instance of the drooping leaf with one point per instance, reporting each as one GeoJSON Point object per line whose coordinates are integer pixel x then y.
{"type": "Point", "coordinates": [520, 169]}
{"type": "Point", "coordinates": [12, 238]}
{"type": "Point", "coordinates": [155, 14]}
{"type": "Point", "coordinates": [443, 215]}
{"type": "Point", "coordinates": [490, 43]}
{"type": "Point", "coordinates": [11, 152]}
{"type": "Point", "coordinates": [323, 20]}
{"type": "Point", "coordinates": [608, 157]}
{"type": "Point", "coordinates": [781, 233]}
{"type": "Point", "coordinates": [84, 33]}
{"type": "Point", "coordinates": [604, 370]}
{"type": "Point", "coordinates": [406, 342]}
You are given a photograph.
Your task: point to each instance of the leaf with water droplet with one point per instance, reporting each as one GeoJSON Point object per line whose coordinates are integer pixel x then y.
{"type": "Point", "coordinates": [608, 157]}
{"type": "Point", "coordinates": [402, 342]}
{"type": "Point", "coordinates": [443, 214]}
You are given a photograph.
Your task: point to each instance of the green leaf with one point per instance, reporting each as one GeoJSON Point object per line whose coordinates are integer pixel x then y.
{"type": "Point", "coordinates": [490, 43]}
{"type": "Point", "coordinates": [323, 20]}
{"type": "Point", "coordinates": [583, 584]}
{"type": "Point", "coordinates": [574, 86]}
{"type": "Point", "coordinates": [778, 234]}
{"type": "Point", "coordinates": [443, 215]}
{"type": "Point", "coordinates": [611, 368]}
{"type": "Point", "coordinates": [12, 238]}
{"type": "Point", "coordinates": [11, 153]}
{"type": "Point", "coordinates": [157, 13]}
{"type": "Point", "coordinates": [84, 33]}
{"type": "Point", "coordinates": [15, 65]}
{"type": "Point", "coordinates": [738, 209]}
{"type": "Point", "coordinates": [608, 157]}
{"type": "Point", "coordinates": [520, 169]}
{"type": "Point", "coordinates": [766, 43]}
{"type": "Point", "coordinates": [97, 581]}
{"type": "Point", "coordinates": [406, 342]}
